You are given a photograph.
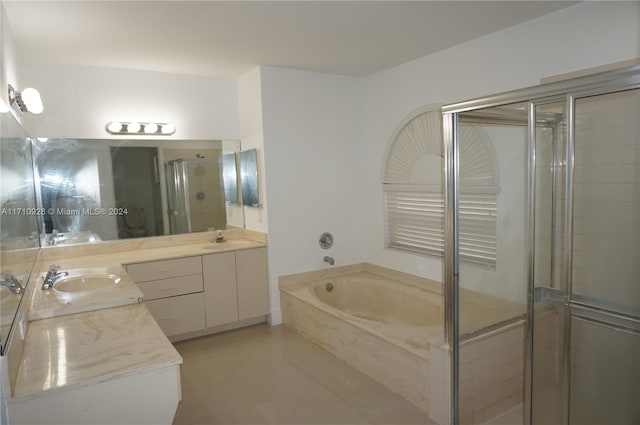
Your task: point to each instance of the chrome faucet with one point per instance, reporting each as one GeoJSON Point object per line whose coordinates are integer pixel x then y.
{"type": "Point", "coordinates": [53, 237]}
{"type": "Point", "coordinates": [11, 282]}
{"type": "Point", "coordinates": [329, 260]}
{"type": "Point", "coordinates": [52, 277]}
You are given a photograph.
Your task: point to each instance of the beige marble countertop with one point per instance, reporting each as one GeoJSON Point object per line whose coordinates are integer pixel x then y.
{"type": "Point", "coordinates": [93, 340]}
{"type": "Point", "coordinates": [53, 303]}
{"type": "Point", "coordinates": [121, 258]}
{"type": "Point", "coordinates": [84, 349]}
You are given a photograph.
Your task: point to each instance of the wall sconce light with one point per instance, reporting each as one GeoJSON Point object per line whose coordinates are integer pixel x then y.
{"type": "Point", "coordinates": [28, 100]}
{"type": "Point", "coordinates": [140, 128]}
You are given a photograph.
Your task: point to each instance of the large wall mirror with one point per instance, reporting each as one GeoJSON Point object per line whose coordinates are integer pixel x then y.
{"type": "Point", "coordinates": [102, 190]}
{"type": "Point", "coordinates": [18, 228]}
{"type": "Point", "coordinates": [75, 191]}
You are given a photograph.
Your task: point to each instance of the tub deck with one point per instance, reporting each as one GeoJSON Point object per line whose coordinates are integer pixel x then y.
{"type": "Point", "coordinates": [406, 358]}
{"type": "Point", "coordinates": [414, 339]}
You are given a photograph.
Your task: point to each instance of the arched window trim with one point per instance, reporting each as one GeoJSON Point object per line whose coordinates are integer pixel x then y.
{"type": "Point", "coordinates": [414, 210]}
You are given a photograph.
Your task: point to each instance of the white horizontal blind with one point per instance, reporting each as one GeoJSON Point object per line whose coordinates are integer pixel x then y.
{"type": "Point", "coordinates": [415, 222]}
{"type": "Point", "coordinates": [415, 218]}
{"type": "Point", "coordinates": [478, 228]}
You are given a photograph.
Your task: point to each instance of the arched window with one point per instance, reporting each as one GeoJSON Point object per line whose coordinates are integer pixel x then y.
{"type": "Point", "coordinates": [413, 189]}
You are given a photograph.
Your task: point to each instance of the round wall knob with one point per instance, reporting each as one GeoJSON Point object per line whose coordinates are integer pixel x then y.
{"type": "Point", "coordinates": [326, 240]}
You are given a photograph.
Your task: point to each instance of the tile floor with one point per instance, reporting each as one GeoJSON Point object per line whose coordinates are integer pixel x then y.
{"type": "Point", "coordinates": [271, 375]}
{"type": "Point", "coordinates": [512, 416]}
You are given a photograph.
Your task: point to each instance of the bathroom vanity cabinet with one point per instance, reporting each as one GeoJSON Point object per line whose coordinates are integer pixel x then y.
{"type": "Point", "coordinates": [253, 284]}
{"type": "Point", "coordinates": [221, 289]}
{"type": "Point", "coordinates": [235, 286]}
{"type": "Point", "coordinates": [195, 295]}
{"type": "Point", "coordinates": [172, 292]}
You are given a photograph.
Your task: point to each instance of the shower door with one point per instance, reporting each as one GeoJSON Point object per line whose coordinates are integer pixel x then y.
{"type": "Point", "coordinates": [196, 195]}
{"type": "Point", "coordinates": [585, 305]}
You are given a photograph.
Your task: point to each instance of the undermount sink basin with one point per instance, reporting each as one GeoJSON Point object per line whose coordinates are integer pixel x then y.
{"type": "Point", "coordinates": [88, 282]}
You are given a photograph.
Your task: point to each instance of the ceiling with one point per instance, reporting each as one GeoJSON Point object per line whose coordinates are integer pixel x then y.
{"type": "Point", "coordinates": [226, 39]}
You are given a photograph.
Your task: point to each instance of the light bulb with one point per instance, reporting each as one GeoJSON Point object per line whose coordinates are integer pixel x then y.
{"type": "Point", "coordinates": [114, 127]}
{"type": "Point", "coordinates": [168, 128]}
{"type": "Point", "coordinates": [133, 127]}
{"type": "Point", "coordinates": [31, 99]}
{"type": "Point", "coordinates": [150, 128]}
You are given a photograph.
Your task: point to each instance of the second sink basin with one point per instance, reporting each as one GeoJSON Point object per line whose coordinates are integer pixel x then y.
{"type": "Point", "coordinates": [87, 282]}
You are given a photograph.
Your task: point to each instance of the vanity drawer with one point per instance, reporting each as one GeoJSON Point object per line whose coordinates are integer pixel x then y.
{"type": "Point", "coordinates": [178, 315]}
{"type": "Point", "coordinates": [164, 269]}
{"type": "Point", "coordinates": [163, 288]}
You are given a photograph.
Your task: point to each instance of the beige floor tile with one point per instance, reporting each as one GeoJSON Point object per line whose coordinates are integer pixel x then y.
{"type": "Point", "coordinates": [320, 406]}
{"type": "Point", "coordinates": [513, 416]}
{"type": "Point", "coordinates": [270, 374]}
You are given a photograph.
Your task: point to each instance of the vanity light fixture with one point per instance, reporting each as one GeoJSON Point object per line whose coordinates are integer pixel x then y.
{"type": "Point", "coordinates": [26, 101]}
{"type": "Point", "coordinates": [140, 128]}
{"type": "Point", "coordinates": [133, 127]}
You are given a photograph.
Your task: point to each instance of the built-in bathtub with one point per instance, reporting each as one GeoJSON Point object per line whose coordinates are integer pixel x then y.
{"type": "Point", "coordinates": [390, 325]}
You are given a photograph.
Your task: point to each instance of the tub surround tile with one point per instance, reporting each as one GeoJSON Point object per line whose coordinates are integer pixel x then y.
{"type": "Point", "coordinates": [492, 356]}
{"type": "Point", "coordinates": [328, 273]}
{"type": "Point", "coordinates": [52, 303]}
{"type": "Point", "coordinates": [413, 339]}
{"type": "Point", "coordinates": [403, 372]}
{"type": "Point", "coordinates": [406, 278]}
{"type": "Point", "coordinates": [492, 373]}
{"type": "Point", "coordinates": [379, 271]}
{"type": "Point", "coordinates": [84, 349]}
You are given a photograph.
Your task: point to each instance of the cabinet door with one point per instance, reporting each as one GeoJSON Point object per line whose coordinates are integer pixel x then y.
{"type": "Point", "coordinates": [221, 297]}
{"type": "Point", "coordinates": [253, 288]}
{"type": "Point", "coordinates": [178, 315]}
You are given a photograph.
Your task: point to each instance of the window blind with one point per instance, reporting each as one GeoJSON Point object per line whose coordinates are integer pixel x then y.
{"type": "Point", "coordinates": [415, 221]}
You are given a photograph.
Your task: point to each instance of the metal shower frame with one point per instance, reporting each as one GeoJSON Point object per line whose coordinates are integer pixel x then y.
{"type": "Point", "coordinates": [564, 91]}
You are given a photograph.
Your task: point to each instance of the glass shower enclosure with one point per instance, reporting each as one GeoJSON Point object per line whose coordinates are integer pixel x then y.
{"type": "Point", "coordinates": [560, 248]}
{"type": "Point", "coordinates": [196, 195]}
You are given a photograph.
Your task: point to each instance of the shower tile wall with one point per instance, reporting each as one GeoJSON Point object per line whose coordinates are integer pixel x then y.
{"type": "Point", "coordinates": [606, 198]}
{"type": "Point", "coordinates": [605, 373]}
{"type": "Point", "coordinates": [491, 374]}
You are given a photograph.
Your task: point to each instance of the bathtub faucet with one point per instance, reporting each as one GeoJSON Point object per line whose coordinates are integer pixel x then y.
{"type": "Point", "coordinates": [329, 260]}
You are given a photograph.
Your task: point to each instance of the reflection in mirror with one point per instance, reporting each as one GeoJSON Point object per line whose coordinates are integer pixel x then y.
{"type": "Point", "coordinates": [230, 177]}
{"type": "Point", "coordinates": [18, 231]}
{"type": "Point", "coordinates": [196, 195]}
{"type": "Point", "coordinates": [100, 190]}
{"type": "Point", "coordinates": [249, 177]}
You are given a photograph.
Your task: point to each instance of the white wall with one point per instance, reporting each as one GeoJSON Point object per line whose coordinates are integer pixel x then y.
{"type": "Point", "coordinates": [509, 145]}
{"type": "Point", "coordinates": [80, 100]}
{"type": "Point", "coordinates": [8, 61]}
{"type": "Point", "coordinates": [582, 36]}
{"type": "Point", "coordinates": [251, 135]}
{"type": "Point", "coordinates": [312, 149]}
